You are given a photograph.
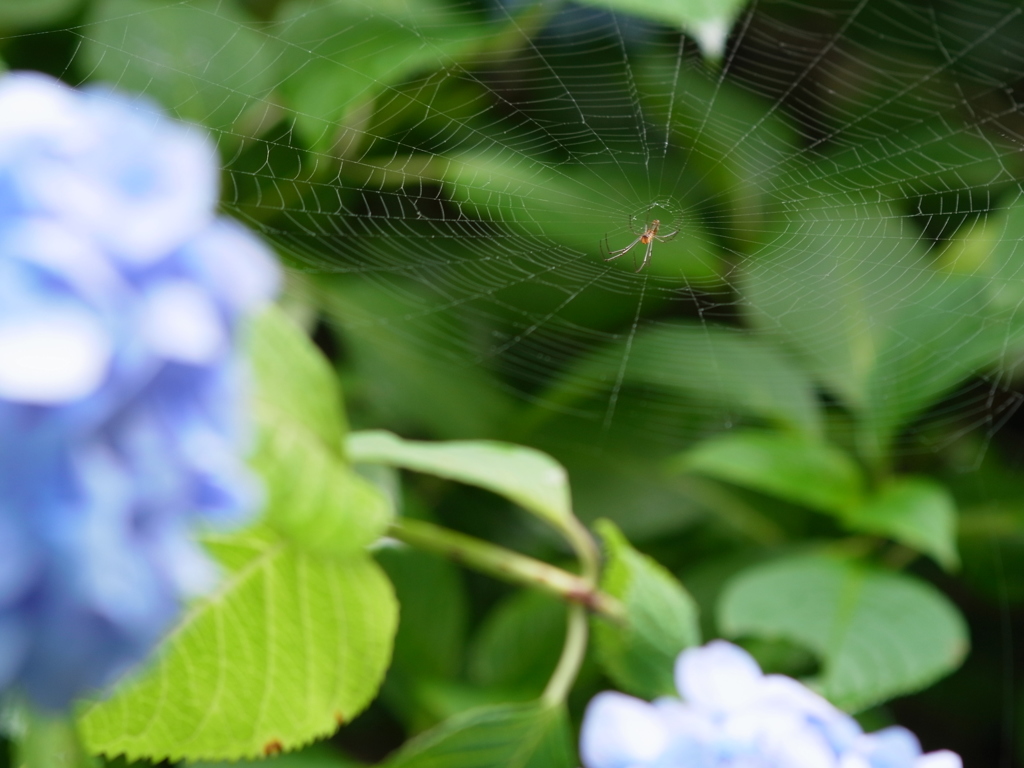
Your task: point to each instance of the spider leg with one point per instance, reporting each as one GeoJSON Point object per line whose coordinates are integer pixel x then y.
{"type": "Point", "coordinates": [622, 251]}
{"type": "Point", "coordinates": [647, 254]}
{"type": "Point", "coordinates": [669, 236]}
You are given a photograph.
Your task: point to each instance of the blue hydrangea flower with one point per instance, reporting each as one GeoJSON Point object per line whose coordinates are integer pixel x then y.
{"type": "Point", "coordinates": [121, 391]}
{"type": "Point", "coordinates": [734, 716]}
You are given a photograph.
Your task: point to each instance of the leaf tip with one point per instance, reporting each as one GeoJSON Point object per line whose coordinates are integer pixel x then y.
{"type": "Point", "coordinates": [711, 35]}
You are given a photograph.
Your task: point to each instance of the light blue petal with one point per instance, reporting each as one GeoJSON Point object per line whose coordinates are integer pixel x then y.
{"type": "Point", "coordinates": [620, 731]}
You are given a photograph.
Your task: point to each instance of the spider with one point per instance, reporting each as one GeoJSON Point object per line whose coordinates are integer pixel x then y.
{"type": "Point", "coordinates": [646, 237]}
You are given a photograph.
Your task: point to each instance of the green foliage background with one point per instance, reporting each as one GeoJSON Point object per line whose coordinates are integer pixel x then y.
{"type": "Point", "coordinates": [804, 458]}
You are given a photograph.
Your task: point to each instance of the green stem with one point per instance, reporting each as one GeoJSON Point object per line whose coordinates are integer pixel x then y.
{"type": "Point", "coordinates": [586, 550]}
{"type": "Point", "coordinates": [511, 566]}
{"type": "Point", "coordinates": [50, 742]}
{"type": "Point", "coordinates": [569, 662]}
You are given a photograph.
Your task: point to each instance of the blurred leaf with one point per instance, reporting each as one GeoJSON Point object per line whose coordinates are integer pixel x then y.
{"type": "Point", "coordinates": [22, 14]}
{"type": "Point", "coordinates": [915, 511]}
{"type": "Point", "coordinates": [340, 57]}
{"type": "Point", "coordinates": [199, 58]}
{"type": "Point", "coordinates": [569, 206]}
{"type": "Point", "coordinates": [626, 487]}
{"type": "Point", "coordinates": [439, 699]}
{"type": "Point", "coordinates": [992, 547]}
{"type": "Point", "coordinates": [47, 740]}
{"type": "Point", "coordinates": [827, 283]}
{"type": "Point", "coordinates": [289, 646]}
{"type": "Point", "coordinates": [918, 153]}
{"type": "Point", "coordinates": [878, 634]}
{"type": "Point", "coordinates": [431, 639]}
{"type": "Point", "coordinates": [991, 247]}
{"type": "Point", "coordinates": [384, 347]}
{"type": "Point", "coordinates": [526, 476]}
{"type": "Point", "coordinates": [727, 369]}
{"type": "Point", "coordinates": [519, 643]}
{"type": "Point", "coordinates": [861, 97]}
{"type": "Point", "coordinates": [935, 342]}
{"type": "Point", "coordinates": [661, 619]}
{"type": "Point", "coordinates": [1002, 29]}
{"type": "Point", "coordinates": [506, 736]}
{"type": "Point", "coordinates": [432, 628]}
{"type": "Point", "coordinates": [919, 158]}
{"type": "Point", "coordinates": [811, 473]}
{"type": "Point", "coordinates": [848, 290]}
{"type": "Point", "coordinates": [314, 498]}
{"type": "Point", "coordinates": [707, 20]}
{"type": "Point", "coordinates": [735, 142]}
{"type": "Point", "coordinates": [317, 756]}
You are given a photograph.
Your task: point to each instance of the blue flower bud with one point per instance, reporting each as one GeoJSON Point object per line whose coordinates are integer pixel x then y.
{"type": "Point", "coordinates": [122, 420]}
{"type": "Point", "coordinates": [733, 716]}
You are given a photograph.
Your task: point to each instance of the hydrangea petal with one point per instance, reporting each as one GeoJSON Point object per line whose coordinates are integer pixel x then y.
{"type": "Point", "coordinates": [892, 747]}
{"type": "Point", "coordinates": [52, 357]}
{"type": "Point", "coordinates": [733, 716]}
{"type": "Point", "coordinates": [64, 256]}
{"type": "Point", "coordinates": [239, 266]}
{"type": "Point", "coordinates": [620, 731]}
{"type": "Point", "coordinates": [139, 204]}
{"type": "Point", "coordinates": [35, 111]}
{"type": "Point", "coordinates": [718, 676]}
{"type": "Point", "coordinates": [181, 323]}
{"type": "Point", "coordinates": [943, 758]}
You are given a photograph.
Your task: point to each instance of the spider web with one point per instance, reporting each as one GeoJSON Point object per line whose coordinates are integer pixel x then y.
{"type": "Point", "coordinates": [447, 177]}
{"type": "Point", "coordinates": [460, 169]}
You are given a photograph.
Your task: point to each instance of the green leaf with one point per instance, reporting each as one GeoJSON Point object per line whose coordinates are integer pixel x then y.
{"type": "Point", "coordinates": [317, 756]}
{"type": "Point", "coordinates": [198, 58]}
{"type": "Point", "coordinates": [382, 354]}
{"type": "Point", "coordinates": [990, 248]}
{"type": "Point", "coordinates": [738, 142]}
{"type": "Point", "coordinates": [812, 473]}
{"type": "Point", "coordinates": [847, 290]}
{"type": "Point", "coordinates": [432, 631]}
{"type": "Point", "coordinates": [47, 741]}
{"type": "Point", "coordinates": [526, 476]}
{"type": "Point", "coordinates": [20, 14]}
{"type": "Point", "coordinates": [529, 735]}
{"type": "Point", "coordinates": [519, 643]}
{"type": "Point", "coordinates": [917, 156]}
{"type": "Point", "coordinates": [726, 369]}
{"type": "Point", "coordinates": [314, 497]}
{"type": "Point", "coordinates": [827, 282]}
{"type": "Point", "coordinates": [295, 382]}
{"type": "Point", "coordinates": [661, 619]}
{"type": "Point", "coordinates": [707, 20]}
{"type": "Point", "coordinates": [878, 634]}
{"type": "Point", "coordinates": [431, 639]}
{"type": "Point", "coordinates": [915, 511]}
{"type": "Point", "coordinates": [290, 646]}
{"type": "Point", "coordinates": [566, 205]}
{"type": "Point", "coordinates": [935, 341]}
{"type": "Point", "coordinates": [342, 57]}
